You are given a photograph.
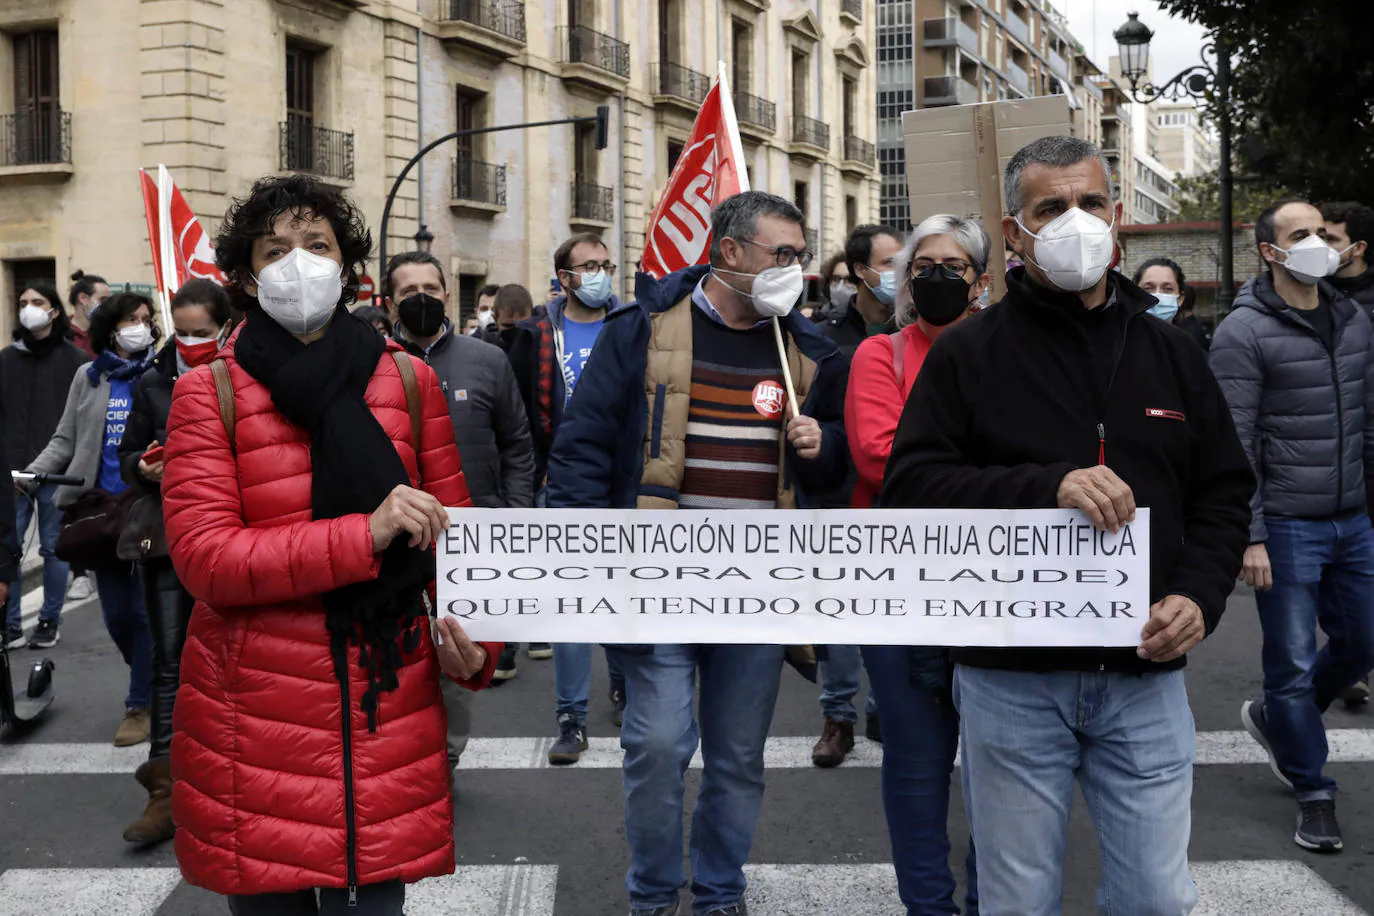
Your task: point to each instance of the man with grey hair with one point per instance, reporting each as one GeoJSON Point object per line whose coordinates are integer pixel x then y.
{"type": "Point", "coordinates": [1068, 394]}
{"type": "Point", "coordinates": [684, 406]}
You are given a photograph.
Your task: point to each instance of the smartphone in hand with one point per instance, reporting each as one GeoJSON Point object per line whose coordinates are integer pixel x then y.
{"type": "Point", "coordinates": [154, 455]}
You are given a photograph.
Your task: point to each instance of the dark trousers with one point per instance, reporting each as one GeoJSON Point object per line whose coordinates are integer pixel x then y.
{"type": "Point", "coordinates": [169, 613]}
{"type": "Point", "coordinates": [126, 620]}
{"type": "Point", "coordinates": [920, 737]}
{"type": "Point", "coordinates": [385, 899]}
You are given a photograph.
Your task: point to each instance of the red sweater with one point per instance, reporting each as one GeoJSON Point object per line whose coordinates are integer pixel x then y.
{"type": "Point", "coordinates": [874, 402]}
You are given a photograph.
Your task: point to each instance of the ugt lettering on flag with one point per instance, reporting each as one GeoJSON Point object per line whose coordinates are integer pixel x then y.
{"type": "Point", "coordinates": [710, 169]}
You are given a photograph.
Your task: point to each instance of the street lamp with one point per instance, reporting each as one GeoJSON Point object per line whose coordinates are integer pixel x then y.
{"type": "Point", "coordinates": [424, 239]}
{"type": "Point", "coordinates": [1201, 82]}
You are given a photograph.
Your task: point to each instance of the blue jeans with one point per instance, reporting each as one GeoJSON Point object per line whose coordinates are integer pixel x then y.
{"type": "Point", "coordinates": [1129, 740]}
{"type": "Point", "coordinates": [54, 570]}
{"type": "Point", "coordinates": [572, 678]}
{"type": "Point", "coordinates": [739, 687]}
{"type": "Point", "coordinates": [840, 678]}
{"type": "Point", "coordinates": [920, 738]}
{"type": "Point", "coordinates": [1323, 575]}
{"type": "Point", "coordinates": [126, 620]}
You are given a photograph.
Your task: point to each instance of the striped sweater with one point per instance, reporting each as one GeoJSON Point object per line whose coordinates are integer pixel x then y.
{"type": "Point", "coordinates": [734, 423]}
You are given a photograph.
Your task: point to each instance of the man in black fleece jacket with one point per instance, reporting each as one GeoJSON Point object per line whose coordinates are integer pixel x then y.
{"type": "Point", "coordinates": [1066, 393]}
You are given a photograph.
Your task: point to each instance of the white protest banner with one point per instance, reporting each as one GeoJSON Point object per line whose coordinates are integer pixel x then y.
{"type": "Point", "coordinates": [868, 577]}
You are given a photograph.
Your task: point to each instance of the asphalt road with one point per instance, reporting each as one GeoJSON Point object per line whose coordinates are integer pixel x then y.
{"type": "Point", "coordinates": [537, 841]}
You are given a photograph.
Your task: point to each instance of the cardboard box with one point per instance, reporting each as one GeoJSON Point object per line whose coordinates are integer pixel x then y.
{"type": "Point", "coordinates": [956, 156]}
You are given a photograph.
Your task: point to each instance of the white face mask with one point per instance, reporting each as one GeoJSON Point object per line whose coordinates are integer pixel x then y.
{"type": "Point", "coordinates": [774, 291]}
{"type": "Point", "coordinates": [35, 317]}
{"type": "Point", "coordinates": [134, 339]}
{"type": "Point", "coordinates": [301, 291]}
{"type": "Point", "coordinates": [1073, 249]}
{"type": "Point", "coordinates": [484, 319]}
{"type": "Point", "coordinates": [1310, 260]}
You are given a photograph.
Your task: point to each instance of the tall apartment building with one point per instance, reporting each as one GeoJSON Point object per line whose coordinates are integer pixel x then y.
{"type": "Point", "coordinates": [956, 52]}
{"type": "Point", "coordinates": [349, 90]}
{"type": "Point", "coordinates": [1187, 146]}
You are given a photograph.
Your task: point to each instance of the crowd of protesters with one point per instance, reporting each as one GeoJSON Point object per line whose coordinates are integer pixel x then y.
{"type": "Point", "coordinates": [284, 461]}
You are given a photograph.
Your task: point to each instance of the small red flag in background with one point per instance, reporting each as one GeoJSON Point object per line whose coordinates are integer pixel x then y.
{"type": "Point", "coordinates": [710, 169]}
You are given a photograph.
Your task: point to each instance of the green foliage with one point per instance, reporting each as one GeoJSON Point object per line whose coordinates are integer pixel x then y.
{"type": "Point", "coordinates": [1199, 199]}
{"type": "Point", "coordinates": [1302, 90]}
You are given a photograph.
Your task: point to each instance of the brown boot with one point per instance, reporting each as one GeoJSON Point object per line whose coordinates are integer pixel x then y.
{"type": "Point", "coordinates": [836, 741]}
{"type": "Point", "coordinates": [133, 729]}
{"type": "Point", "coordinates": [155, 826]}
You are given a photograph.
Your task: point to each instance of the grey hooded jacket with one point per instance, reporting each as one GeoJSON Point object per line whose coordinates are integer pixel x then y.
{"type": "Point", "coordinates": [489, 421]}
{"type": "Point", "coordinates": [1304, 413]}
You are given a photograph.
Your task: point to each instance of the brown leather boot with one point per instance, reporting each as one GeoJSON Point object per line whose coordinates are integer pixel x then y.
{"type": "Point", "coordinates": [155, 826]}
{"type": "Point", "coordinates": [836, 741]}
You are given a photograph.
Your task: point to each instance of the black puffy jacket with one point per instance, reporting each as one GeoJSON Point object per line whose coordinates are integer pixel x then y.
{"type": "Point", "coordinates": [147, 421]}
{"type": "Point", "coordinates": [1305, 413]}
{"type": "Point", "coordinates": [35, 376]}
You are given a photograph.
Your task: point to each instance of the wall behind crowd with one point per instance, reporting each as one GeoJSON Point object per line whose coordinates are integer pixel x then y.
{"type": "Point", "coordinates": [1195, 247]}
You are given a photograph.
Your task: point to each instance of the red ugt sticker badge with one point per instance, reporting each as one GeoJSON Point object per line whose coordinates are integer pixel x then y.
{"type": "Point", "coordinates": [769, 398]}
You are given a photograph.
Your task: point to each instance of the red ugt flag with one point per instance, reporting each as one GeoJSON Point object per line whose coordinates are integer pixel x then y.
{"type": "Point", "coordinates": [191, 252]}
{"type": "Point", "coordinates": [710, 169]}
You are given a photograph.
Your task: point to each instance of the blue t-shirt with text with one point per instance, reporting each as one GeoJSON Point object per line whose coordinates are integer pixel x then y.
{"type": "Point", "coordinates": [578, 339]}
{"type": "Point", "coordinates": [116, 418]}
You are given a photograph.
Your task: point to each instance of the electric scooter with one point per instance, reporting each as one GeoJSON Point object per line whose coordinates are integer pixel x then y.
{"type": "Point", "coordinates": [19, 713]}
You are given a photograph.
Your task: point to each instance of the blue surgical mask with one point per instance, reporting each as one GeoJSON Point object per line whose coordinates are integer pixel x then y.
{"type": "Point", "coordinates": [886, 290]}
{"type": "Point", "coordinates": [1166, 308]}
{"type": "Point", "coordinates": [595, 289]}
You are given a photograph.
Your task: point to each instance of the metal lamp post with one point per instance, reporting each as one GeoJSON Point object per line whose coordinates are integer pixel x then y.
{"type": "Point", "coordinates": [1197, 82]}
{"type": "Point", "coordinates": [424, 238]}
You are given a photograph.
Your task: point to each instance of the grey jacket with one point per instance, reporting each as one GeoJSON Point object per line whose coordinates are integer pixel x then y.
{"type": "Point", "coordinates": [1304, 413]}
{"type": "Point", "coordinates": [80, 436]}
{"type": "Point", "coordinates": [489, 420]}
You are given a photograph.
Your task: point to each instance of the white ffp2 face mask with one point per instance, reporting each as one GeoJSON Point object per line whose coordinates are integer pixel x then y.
{"type": "Point", "coordinates": [1310, 260]}
{"type": "Point", "coordinates": [135, 338]}
{"type": "Point", "coordinates": [301, 291]}
{"type": "Point", "coordinates": [1073, 249]}
{"type": "Point", "coordinates": [35, 317]}
{"type": "Point", "coordinates": [774, 291]}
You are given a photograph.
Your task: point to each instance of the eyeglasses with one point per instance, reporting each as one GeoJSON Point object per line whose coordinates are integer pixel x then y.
{"type": "Point", "coordinates": [592, 267]}
{"type": "Point", "coordinates": [953, 268]}
{"type": "Point", "coordinates": [786, 255]}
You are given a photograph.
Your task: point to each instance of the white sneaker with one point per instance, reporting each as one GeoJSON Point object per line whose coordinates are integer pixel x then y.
{"type": "Point", "coordinates": [82, 588]}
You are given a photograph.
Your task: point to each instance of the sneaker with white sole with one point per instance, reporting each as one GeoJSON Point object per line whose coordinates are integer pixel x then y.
{"type": "Point", "coordinates": [539, 651]}
{"type": "Point", "coordinates": [14, 636]}
{"type": "Point", "coordinates": [1317, 827]}
{"type": "Point", "coordinates": [82, 588]}
{"type": "Point", "coordinates": [45, 635]}
{"type": "Point", "coordinates": [1252, 717]}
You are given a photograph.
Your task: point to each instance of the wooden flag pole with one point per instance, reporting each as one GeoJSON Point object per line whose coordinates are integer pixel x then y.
{"type": "Point", "coordinates": [786, 369]}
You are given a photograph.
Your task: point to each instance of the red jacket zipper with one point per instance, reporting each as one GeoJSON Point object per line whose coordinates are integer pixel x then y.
{"type": "Point", "coordinates": [1101, 444]}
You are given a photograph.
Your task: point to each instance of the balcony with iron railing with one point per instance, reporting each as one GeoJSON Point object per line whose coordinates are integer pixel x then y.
{"type": "Point", "coordinates": [937, 33]}
{"type": "Point", "coordinates": [860, 156]}
{"type": "Point", "coordinates": [494, 26]}
{"type": "Point", "coordinates": [593, 206]}
{"type": "Point", "coordinates": [593, 59]}
{"type": "Point", "coordinates": [36, 143]}
{"type": "Point", "coordinates": [317, 150]}
{"type": "Point", "coordinates": [756, 116]}
{"type": "Point", "coordinates": [810, 137]}
{"type": "Point", "coordinates": [479, 188]}
{"type": "Point", "coordinates": [948, 90]}
{"type": "Point", "coordinates": [853, 10]}
{"type": "Point", "coordinates": [675, 84]}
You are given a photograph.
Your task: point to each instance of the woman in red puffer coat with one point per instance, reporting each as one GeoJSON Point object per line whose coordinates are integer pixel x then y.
{"type": "Point", "coordinates": [309, 747]}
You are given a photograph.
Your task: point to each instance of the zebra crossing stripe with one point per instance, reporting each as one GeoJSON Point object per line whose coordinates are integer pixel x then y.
{"type": "Point", "coordinates": [1220, 748]}
{"type": "Point", "coordinates": [86, 891]}
{"type": "Point", "coordinates": [1274, 888]}
{"type": "Point", "coordinates": [477, 890]}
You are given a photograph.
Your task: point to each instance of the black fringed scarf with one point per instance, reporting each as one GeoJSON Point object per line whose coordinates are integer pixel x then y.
{"type": "Point", "coordinates": [320, 388]}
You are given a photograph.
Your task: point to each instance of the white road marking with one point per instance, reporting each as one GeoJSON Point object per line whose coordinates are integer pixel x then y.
{"type": "Point", "coordinates": [804, 890]}
{"type": "Point", "coordinates": [86, 891]}
{"type": "Point", "coordinates": [487, 890]}
{"type": "Point", "coordinates": [1348, 745]}
{"type": "Point", "coordinates": [1276, 888]}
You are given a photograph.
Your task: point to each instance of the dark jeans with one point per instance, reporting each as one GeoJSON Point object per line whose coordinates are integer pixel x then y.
{"type": "Point", "coordinates": [920, 738]}
{"type": "Point", "coordinates": [169, 613]}
{"type": "Point", "coordinates": [54, 570]}
{"type": "Point", "coordinates": [126, 620]}
{"type": "Point", "coordinates": [1323, 575]}
{"type": "Point", "coordinates": [385, 899]}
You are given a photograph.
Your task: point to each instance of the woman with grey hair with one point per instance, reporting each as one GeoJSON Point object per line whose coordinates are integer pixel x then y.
{"type": "Point", "coordinates": [944, 266]}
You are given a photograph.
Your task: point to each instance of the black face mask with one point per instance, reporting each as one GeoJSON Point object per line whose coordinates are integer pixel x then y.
{"type": "Point", "coordinates": [422, 315]}
{"type": "Point", "coordinates": [940, 298]}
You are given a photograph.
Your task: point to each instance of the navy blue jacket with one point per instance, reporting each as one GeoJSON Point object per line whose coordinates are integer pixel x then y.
{"type": "Point", "coordinates": [598, 455]}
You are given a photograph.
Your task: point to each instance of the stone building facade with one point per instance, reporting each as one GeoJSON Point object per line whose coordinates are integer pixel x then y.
{"type": "Point", "coordinates": [225, 91]}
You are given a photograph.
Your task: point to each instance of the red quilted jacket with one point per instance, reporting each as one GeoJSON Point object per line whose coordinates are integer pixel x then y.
{"type": "Point", "coordinates": [263, 757]}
